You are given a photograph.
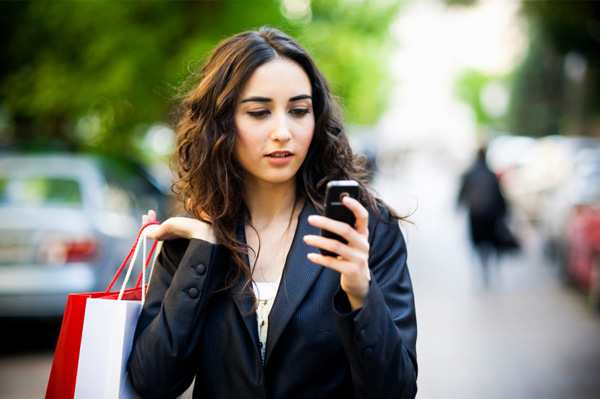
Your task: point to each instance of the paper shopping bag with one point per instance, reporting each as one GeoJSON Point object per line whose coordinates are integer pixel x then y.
{"type": "Point", "coordinates": [86, 315]}
{"type": "Point", "coordinates": [106, 340]}
{"type": "Point", "coordinates": [66, 356]}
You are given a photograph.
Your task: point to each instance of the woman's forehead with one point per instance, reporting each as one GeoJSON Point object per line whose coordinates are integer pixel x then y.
{"type": "Point", "coordinates": [279, 77]}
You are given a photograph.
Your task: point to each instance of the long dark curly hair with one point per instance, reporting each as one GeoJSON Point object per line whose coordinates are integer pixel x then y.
{"type": "Point", "coordinates": [211, 181]}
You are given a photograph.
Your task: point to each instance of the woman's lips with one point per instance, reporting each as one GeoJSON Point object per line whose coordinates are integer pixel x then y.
{"type": "Point", "coordinates": [279, 157]}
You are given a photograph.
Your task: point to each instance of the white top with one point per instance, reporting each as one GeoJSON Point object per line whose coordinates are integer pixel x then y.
{"type": "Point", "coordinates": [265, 294]}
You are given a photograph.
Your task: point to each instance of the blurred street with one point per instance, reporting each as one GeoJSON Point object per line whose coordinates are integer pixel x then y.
{"type": "Point", "coordinates": [26, 357]}
{"type": "Point", "coordinates": [525, 336]}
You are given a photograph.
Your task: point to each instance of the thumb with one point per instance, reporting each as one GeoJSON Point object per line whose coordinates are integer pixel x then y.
{"type": "Point", "coordinates": [154, 232]}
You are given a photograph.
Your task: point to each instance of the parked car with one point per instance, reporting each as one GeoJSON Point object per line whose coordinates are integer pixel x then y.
{"type": "Point", "coordinates": [507, 153]}
{"type": "Point", "coordinates": [66, 224]}
{"type": "Point", "coordinates": [581, 157]}
{"type": "Point", "coordinates": [583, 238]}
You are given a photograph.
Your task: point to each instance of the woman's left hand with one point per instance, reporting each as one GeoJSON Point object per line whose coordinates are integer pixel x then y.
{"type": "Point", "coordinates": [353, 259]}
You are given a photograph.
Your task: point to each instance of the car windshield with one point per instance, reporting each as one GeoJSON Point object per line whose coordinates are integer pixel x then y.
{"type": "Point", "coordinates": [40, 190]}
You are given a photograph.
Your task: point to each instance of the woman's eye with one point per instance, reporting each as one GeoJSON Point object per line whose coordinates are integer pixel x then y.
{"type": "Point", "coordinates": [299, 111]}
{"type": "Point", "coordinates": [258, 114]}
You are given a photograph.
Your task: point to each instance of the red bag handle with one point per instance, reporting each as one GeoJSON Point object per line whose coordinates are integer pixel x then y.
{"type": "Point", "coordinates": [139, 280]}
{"type": "Point", "coordinates": [131, 254]}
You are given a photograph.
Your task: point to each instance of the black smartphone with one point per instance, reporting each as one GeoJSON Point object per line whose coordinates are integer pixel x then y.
{"type": "Point", "coordinates": [335, 209]}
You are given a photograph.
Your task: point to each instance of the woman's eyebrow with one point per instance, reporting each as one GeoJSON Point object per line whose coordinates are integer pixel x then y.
{"type": "Point", "coordinates": [257, 99]}
{"type": "Point", "coordinates": [267, 100]}
{"type": "Point", "coordinates": [300, 97]}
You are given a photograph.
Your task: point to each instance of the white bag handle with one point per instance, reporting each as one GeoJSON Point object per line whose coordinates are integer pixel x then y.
{"type": "Point", "coordinates": [141, 237]}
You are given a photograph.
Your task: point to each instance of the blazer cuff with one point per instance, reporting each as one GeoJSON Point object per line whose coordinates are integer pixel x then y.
{"type": "Point", "coordinates": [189, 281]}
{"type": "Point", "coordinates": [341, 304]}
{"type": "Point", "coordinates": [361, 325]}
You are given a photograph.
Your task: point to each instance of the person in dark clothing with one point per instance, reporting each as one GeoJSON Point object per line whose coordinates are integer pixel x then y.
{"type": "Point", "coordinates": [481, 194]}
{"type": "Point", "coordinates": [240, 299]}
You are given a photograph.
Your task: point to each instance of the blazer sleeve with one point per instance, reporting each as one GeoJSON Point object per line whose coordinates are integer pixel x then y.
{"type": "Point", "coordinates": [161, 364]}
{"type": "Point", "coordinates": [380, 338]}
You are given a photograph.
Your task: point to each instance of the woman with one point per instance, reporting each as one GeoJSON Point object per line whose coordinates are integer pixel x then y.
{"type": "Point", "coordinates": [240, 299]}
{"type": "Point", "coordinates": [481, 193]}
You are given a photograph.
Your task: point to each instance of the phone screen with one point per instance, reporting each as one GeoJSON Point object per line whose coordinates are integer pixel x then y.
{"type": "Point", "coordinates": [335, 209]}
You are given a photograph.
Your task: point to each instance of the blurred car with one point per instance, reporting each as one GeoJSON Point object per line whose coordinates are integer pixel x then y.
{"type": "Point", "coordinates": [507, 153]}
{"type": "Point", "coordinates": [66, 224]}
{"type": "Point", "coordinates": [583, 237]}
{"type": "Point", "coordinates": [533, 170]}
{"type": "Point", "coordinates": [579, 163]}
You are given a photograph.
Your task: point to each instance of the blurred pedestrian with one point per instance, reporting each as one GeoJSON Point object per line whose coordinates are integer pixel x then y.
{"type": "Point", "coordinates": [481, 194]}
{"type": "Point", "coordinates": [240, 299]}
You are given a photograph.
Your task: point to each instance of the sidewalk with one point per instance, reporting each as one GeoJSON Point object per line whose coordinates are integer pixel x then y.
{"type": "Point", "coordinates": [524, 337]}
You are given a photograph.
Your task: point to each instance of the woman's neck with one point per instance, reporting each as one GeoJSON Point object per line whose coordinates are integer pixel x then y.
{"type": "Point", "coordinates": [268, 203]}
{"type": "Point", "coordinates": [273, 220]}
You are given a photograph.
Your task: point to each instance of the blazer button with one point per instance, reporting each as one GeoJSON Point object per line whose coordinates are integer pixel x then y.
{"type": "Point", "coordinates": [367, 353]}
{"type": "Point", "coordinates": [361, 335]}
{"type": "Point", "coordinates": [193, 293]}
{"type": "Point", "coordinates": [201, 269]}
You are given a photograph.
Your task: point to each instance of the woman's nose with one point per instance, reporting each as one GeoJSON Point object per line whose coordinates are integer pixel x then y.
{"type": "Point", "coordinates": [281, 130]}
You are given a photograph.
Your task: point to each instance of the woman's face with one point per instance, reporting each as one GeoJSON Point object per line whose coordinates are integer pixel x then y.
{"type": "Point", "coordinates": [275, 122]}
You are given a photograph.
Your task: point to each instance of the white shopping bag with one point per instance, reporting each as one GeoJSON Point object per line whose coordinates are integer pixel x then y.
{"type": "Point", "coordinates": [106, 339]}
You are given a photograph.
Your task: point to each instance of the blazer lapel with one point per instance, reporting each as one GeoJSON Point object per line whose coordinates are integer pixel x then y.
{"type": "Point", "coordinates": [245, 301]}
{"type": "Point", "coordinates": [244, 304]}
{"type": "Point", "coordinates": [299, 275]}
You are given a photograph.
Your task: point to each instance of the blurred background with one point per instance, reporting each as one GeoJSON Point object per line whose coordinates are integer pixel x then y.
{"type": "Point", "coordinates": [86, 101]}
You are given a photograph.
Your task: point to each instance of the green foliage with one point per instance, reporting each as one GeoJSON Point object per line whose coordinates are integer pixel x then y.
{"type": "Point", "coordinates": [460, 2]}
{"type": "Point", "coordinates": [568, 25]}
{"type": "Point", "coordinates": [468, 88]}
{"type": "Point", "coordinates": [348, 40]}
{"type": "Point", "coordinates": [538, 92]}
{"type": "Point", "coordinates": [545, 99]}
{"type": "Point", "coordinates": [90, 73]}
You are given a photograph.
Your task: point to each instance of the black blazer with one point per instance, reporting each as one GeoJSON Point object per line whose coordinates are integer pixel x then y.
{"type": "Point", "coordinates": [316, 346]}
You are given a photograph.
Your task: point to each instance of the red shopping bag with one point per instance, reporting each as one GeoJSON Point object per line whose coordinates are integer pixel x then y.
{"type": "Point", "coordinates": [63, 374]}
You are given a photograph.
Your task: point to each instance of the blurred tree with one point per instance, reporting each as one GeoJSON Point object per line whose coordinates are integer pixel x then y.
{"type": "Point", "coordinates": [487, 95]}
{"type": "Point", "coordinates": [461, 2]}
{"type": "Point", "coordinates": [88, 74]}
{"type": "Point", "coordinates": [557, 90]}
{"type": "Point", "coordinates": [351, 42]}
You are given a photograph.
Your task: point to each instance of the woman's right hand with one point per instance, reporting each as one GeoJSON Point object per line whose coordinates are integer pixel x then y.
{"type": "Point", "coordinates": [179, 227]}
